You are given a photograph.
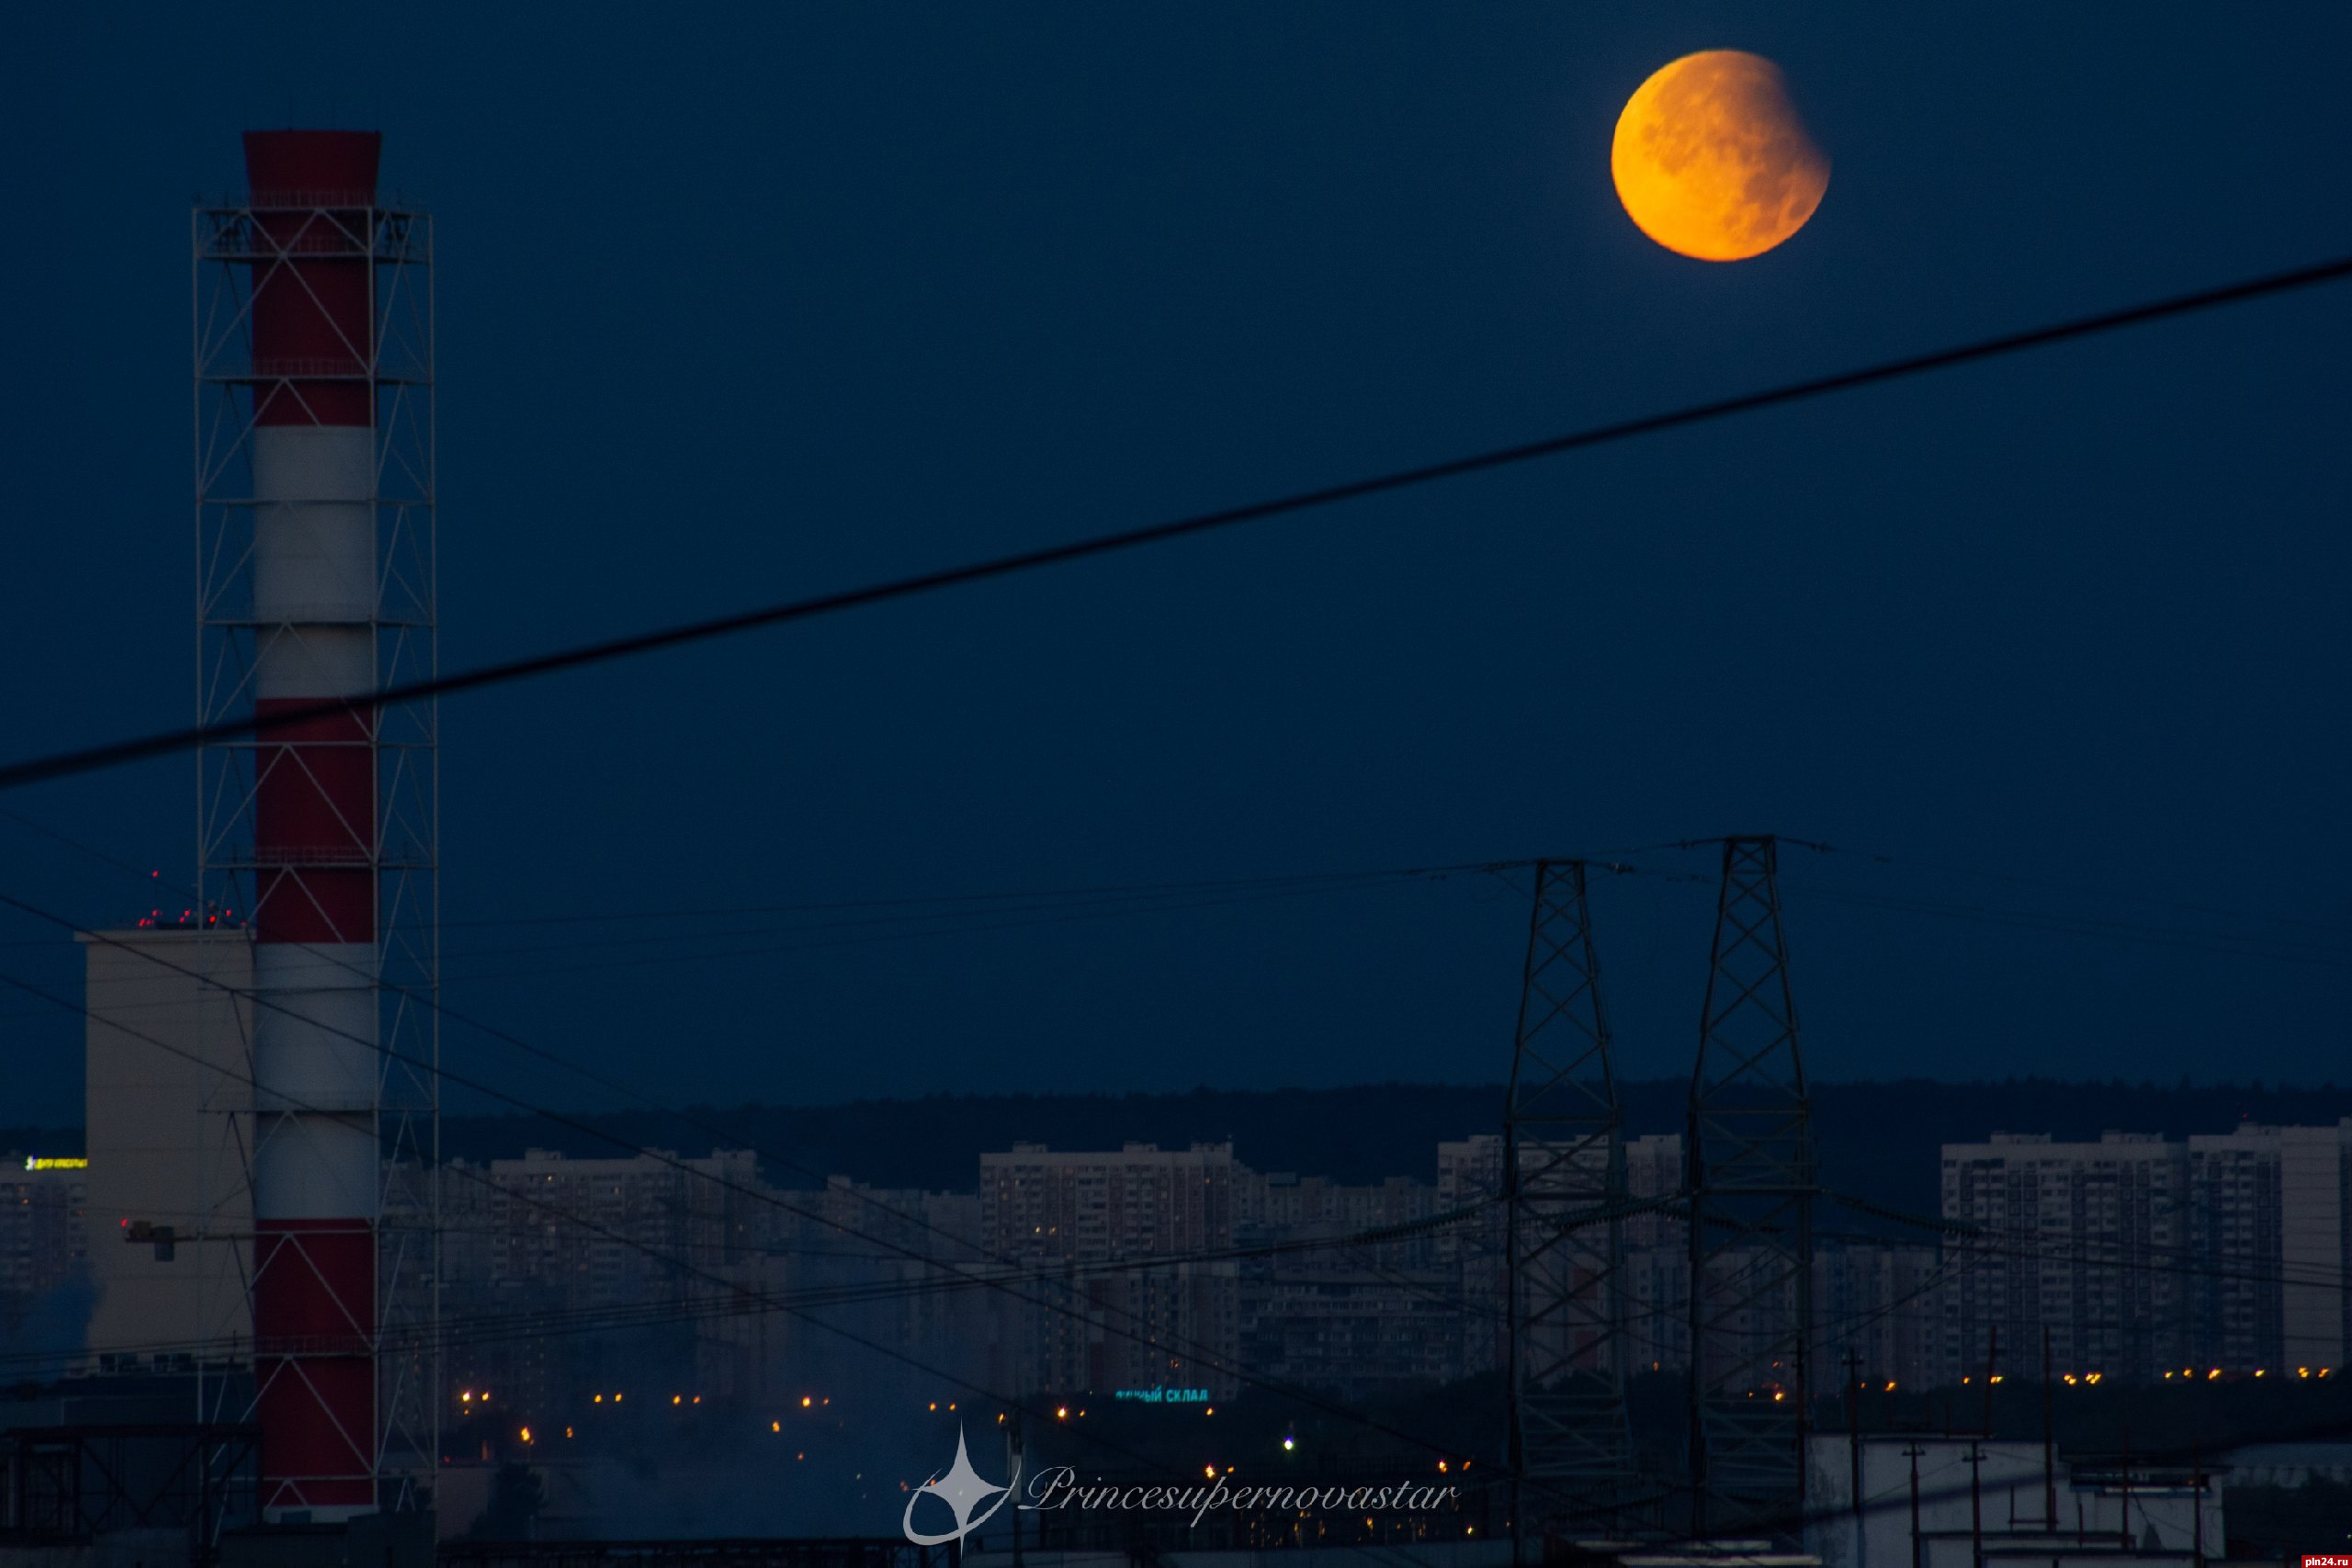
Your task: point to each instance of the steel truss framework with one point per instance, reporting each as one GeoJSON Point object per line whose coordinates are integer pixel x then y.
{"type": "Point", "coordinates": [69, 1483]}
{"type": "Point", "coordinates": [232, 254]}
{"type": "Point", "coordinates": [1563, 1182]}
{"type": "Point", "coordinates": [1751, 1179]}
{"type": "Point", "coordinates": [805, 1553]}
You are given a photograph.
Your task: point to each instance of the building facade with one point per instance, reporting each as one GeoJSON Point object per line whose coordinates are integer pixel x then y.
{"type": "Point", "coordinates": [2267, 1239]}
{"type": "Point", "coordinates": [2085, 1240]}
{"type": "Point", "coordinates": [168, 1058]}
{"type": "Point", "coordinates": [44, 1238]}
{"type": "Point", "coordinates": [561, 1273]}
{"type": "Point", "coordinates": [1092, 1309]}
{"type": "Point", "coordinates": [1358, 1318]}
{"type": "Point", "coordinates": [2141, 1254]}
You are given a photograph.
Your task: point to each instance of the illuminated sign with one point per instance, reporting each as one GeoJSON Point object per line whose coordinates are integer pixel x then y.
{"type": "Point", "coordinates": [48, 1162]}
{"type": "Point", "coordinates": [1164, 1395]}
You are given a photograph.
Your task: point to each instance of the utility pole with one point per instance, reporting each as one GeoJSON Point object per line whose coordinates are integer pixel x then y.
{"type": "Point", "coordinates": [2197, 1504]}
{"type": "Point", "coordinates": [1564, 1186]}
{"type": "Point", "coordinates": [2049, 1443]}
{"type": "Point", "coordinates": [2124, 1527]}
{"type": "Point", "coordinates": [1854, 1441]}
{"type": "Point", "coordinates": [1975, 1504]}
{"type": "Point", "coordinates": [1913, 1453]}
{"type": "Point", "coordinates": [1854, 1421]}
{"type": "Point", "coordinates": [1015, 1452]}
{"type": "Point", "coordinates": [1992, 1365]}
{"type": "Point", "coordinates": [1751, 1178]}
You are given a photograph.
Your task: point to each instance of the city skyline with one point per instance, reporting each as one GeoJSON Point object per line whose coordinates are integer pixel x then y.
{"type": "Point", "coordinates": [2225, 1251]}
{"type": "Point", "coordinates": [1329, 744]}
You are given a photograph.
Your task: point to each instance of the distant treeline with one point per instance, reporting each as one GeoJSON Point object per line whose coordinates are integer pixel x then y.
{"type": "Point", "coordinates": [1878, 1140]}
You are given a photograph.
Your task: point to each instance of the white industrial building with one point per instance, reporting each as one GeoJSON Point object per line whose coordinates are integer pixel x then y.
{"type": "Point", "coordinates": [169, 1061]}
{"type": "Point", "coordinates": [1979, 1500]}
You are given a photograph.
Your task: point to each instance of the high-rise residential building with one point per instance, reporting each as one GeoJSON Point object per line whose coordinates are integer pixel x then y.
{"type": "Point", "coordinates": [1470, 1174]}
{"type": "Point", "coordinates": [1657, 1316]}
{"type": "Point", "coordinates": [894, 1267]}
{"type": "Point", "coordinates": [649, 1244]}
{"type": "Point", "coordinates": [44, 1242]}
{"type": "Point", "coordinates": [2141, 1256]}
{"type": "Point", "coordinates": [1138, 1201]}
{"type": "Point", "coordinates": [2266, 1238]}
{"type": "Point", "coordinates": [1654, 1171]}
{"type": "Point", "coordinates": [1280, 1201]}
{"type": "Point", "coordinates": [1095, 1311]}
{"type": "Point", "coordinates": [1874, 1301]}
{"type": "Point", "coordinates": [1339, 1322]}
{"type": "Point", "coordinates": [1470, 1171]}
{"type": "Point", "coordinates": [1874, 1315]}
{"type": "Point", "coordinates": [2085, 1240]}
{"type": "Point", "coordinates": [1358, 1318]}
{"type": "Point", "coordinates": [1657, 1257]}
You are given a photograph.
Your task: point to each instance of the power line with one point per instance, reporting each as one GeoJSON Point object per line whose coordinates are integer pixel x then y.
{"type": "Point", "coordinates": [1956, 1228]}
{"type": "Point", "coordinates": [1310, 881]}
{"type": "Point", "coordinates": [1026, 919]}
{"type": "Point", "coordinates": [1146, 1333]}
{"type": "Point", "coordinates": [432, 1002]}
{"type": "Point", "coordinates": [2226, 943]}
{"type": "Point", "coordinates": [1150, 1333]}
{"type": "Point", "coordinates": [1232, 1368]}
{"type": "Point", "coordinates": [770, 1301]}
{"type": "Point", "coordinates": [1110, 891]}
{"type": "Point", "coordinates": [557, 1059]}
{"type": "Point", "coordinates": [2080, 890]}
{"type": "Point", "coordinates": [958, 1284]}
{"type": "Point", "coordinates": [474, 1328]}
{"type": "Point", "coordinates": [888, 1351]}
{"type": "Point", "coordinates": [65, 765]}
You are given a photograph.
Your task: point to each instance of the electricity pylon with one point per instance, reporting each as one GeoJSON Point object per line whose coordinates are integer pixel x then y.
{"type": "Point", "coordinates": [1563, 1182]}
{"type": "Point", "coordinates": [1751, 1179]}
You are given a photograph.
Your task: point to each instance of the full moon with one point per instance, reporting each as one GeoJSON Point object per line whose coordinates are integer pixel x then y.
{"type": "Point", "coordinates": [1712, 161]}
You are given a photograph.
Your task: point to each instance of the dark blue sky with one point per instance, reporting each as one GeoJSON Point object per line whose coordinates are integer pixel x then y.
{"type": "Point", "coordinates": [736, 311]}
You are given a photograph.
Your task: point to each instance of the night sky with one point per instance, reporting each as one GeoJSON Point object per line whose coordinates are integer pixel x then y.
{"type": "Point", "coordinates": [738, 310]}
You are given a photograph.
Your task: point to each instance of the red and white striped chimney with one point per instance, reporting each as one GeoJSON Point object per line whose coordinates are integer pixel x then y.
{"type": "Point", "coordinates": [316, 1165]}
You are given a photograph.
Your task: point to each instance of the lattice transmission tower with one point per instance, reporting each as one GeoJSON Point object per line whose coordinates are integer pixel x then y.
{"type": "Point", "coordinates": [1751, 1181]}
{"type": "Point", "coordinates": [1564, 1183]}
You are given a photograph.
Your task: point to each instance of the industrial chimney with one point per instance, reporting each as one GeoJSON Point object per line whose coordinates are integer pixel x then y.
{"type": "Point", "coordinates": [317, 839]}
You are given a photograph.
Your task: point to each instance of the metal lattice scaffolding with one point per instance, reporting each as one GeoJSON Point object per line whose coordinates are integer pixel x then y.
{"type": "Point", "coordinates": [1564, 1183]}
{"type": "Point", "coordinates": [1751, 1181]}
{"type": "Point", "coordinates": [240, 248]}
{"type": "Point", "coordinates": [71, 1482]}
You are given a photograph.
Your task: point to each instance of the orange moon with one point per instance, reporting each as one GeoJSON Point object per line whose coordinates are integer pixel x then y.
{"type": "Point", "coordinates": [1712, 161]}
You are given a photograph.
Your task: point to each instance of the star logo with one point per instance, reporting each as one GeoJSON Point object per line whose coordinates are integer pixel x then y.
{"type": "Point", "coordinates": [962, 1490]}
